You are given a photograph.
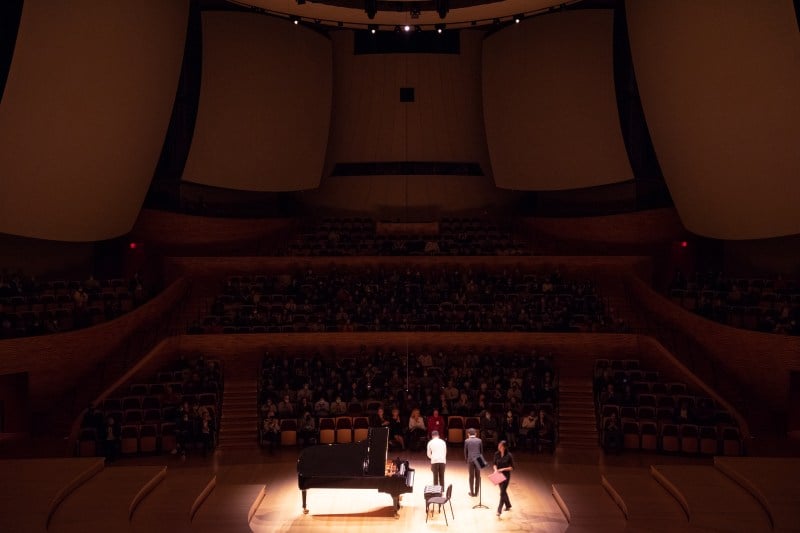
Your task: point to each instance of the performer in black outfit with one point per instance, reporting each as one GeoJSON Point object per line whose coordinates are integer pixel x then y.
{"type": "Point", "coordinates": [473, 448]}
{"type": "Point", "coordinates": [503, 462]}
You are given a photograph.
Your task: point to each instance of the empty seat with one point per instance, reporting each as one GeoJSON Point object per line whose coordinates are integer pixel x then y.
{"type": "Point", "coordinates": [112, 404]}
{"type": "Point", "coordinates": [131, 402]}
{"type": "Point", "coordinates": [169, 440]}
{"type": "Point", "coordinates": [665, 400]}
{"type": "Point", "coordinates": [646, 413]}
{"type": "Point", "coordinates": [327, 431]}
{"type": "Point", "coordinates": [455, 429]}
{"type": "Point", "coordinates": [690, 439]}
{"type": "Point", "coordinates": [731, 441]}
{"type": "Point", "coordinates": [288, 432]}
{"type": "Point", "coordinates": [676, 388]}
{"type": "Point", "coordinates": [87, 442]}
{"type": "Point", "coordinates": [360, 428]}
{"type": "Point", "coordinates": [152, 416]}
{"type": "Point", "coordinates": [709, 441]}
{"type": "Point", "coordinates": [670, 440]}
{"type": "Point", "coordinates": [148, 438]}
{"type": "Point", "coordinates": [344, 429]}
{"type": "Point", "coordinates": [129, 440]}
{"type": "Point", "coordinates": [631, 439]}
{"type": "Point", "coordinates": [138, 389]}
{"type": "Point", "coordinates": [649, 435]}
{"type": "Point", "coordinates": [647, 400]}
{"type": "Point", "coordinates": [133, 417]}
{"type": "Point", "coordinates": [151, 402]}
{"type": "Point", "coordinates": [658, 388]}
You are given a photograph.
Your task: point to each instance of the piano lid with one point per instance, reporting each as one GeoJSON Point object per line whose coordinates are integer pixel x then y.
{"type": "Point", "coordinates": [366, 458]}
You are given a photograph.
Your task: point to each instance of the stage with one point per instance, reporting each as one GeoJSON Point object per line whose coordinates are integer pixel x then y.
{"type": "Point", "coordinates": [253, 490]}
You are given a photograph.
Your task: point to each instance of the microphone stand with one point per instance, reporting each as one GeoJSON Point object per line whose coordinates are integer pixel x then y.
{"type": "Point", "coordinates": [480, 462]}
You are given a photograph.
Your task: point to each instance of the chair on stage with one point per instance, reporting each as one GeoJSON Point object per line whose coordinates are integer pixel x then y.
{"type": "Point", "coordinates": [441, 501]}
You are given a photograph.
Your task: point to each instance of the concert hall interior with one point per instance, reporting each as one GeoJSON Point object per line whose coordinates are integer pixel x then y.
{"type": "Point", "coordinates": [254, 253]}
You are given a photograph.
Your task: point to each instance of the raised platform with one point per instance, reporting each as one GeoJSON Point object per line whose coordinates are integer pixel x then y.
{"type": "Point", "coordinates": [774, 482]}
{"type": "Point", "coordinates": [107, 501]}
{"type": "Point", "coordinates": [174, 502]}
{"type": "Point", "coordinates": [588, 507]}
{"type": "Point", "coordinates": [711, 499]}
{"type": "Point", "coordinates": [32, 489]}
{"type": "Point", "coordinates": [643, 500]}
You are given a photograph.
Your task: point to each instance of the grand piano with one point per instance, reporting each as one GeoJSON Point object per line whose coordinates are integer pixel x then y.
{"type": "Point", "coordinates": [360, 465]}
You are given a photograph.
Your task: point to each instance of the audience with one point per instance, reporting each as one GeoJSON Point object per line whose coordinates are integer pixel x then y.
{"type": "Point", "coordinates": [766, 305]}
{"type": "Point", "coordinates": [395, 298]}
{"type": "Point", "coordinates": [370, 379]}
{"type": "Point", "coordinates": [360, 236]}
{"type": "Point", "coordinates": [31, 307]}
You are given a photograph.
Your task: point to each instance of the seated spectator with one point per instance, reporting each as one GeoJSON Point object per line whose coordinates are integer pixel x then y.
{"type": "Point", "coordinates": [379, 419]}
{"type": "Point", "coordinates": [435, 423]}
{"type": "Point", "coordinates": [683, 414]}
{"type": "Point", "coordinates": [307, 433]}
{"type": "Point", "coordinates": [271, 431]}
{"type": "Point", "coordinates": [510, 429]}
{"type": "Point", "coordinates": [543, 431]}
{"type": "Point", "coordinates": [206, 431]}
{"type": "Point", "coordinates": [489, 427]}
{"type": "Point", "coordinates": [526, 430]}
{"type": "Point", "coordinates": [612, 434]}
{"type": "Point", "coordinates": [111, 439]}
{"type": "Point", "coordinates": [286, 408]}
{"type": "Point", "coordinates": [416, 429]}
{"type": "Point", "coordinates": [268, 406]}
{"type": "Point", "coordinates": [338, 407]}
{"type": "Point", "coordinates": [396, 430]}
{"type": "Point", "coordinates": [322, 408]}
{"type": "Point", "coordinates": [183, 429]}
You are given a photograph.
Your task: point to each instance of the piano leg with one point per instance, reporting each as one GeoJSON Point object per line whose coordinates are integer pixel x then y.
{"type": "Point", "coordinates": [305, 511]}
{"type": "Point", "coordinates": [396, 501]}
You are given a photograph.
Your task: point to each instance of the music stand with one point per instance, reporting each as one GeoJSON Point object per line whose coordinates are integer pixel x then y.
{"type": "Point", "coordinates": [480, 462]}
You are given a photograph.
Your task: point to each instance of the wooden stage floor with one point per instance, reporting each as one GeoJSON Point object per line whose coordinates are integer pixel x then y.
{"type": "Point", "coordinates": [574, 492]}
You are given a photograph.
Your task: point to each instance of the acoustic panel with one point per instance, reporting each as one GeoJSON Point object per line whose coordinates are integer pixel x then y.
{"type": "Point", "coordinates": [84, 114]}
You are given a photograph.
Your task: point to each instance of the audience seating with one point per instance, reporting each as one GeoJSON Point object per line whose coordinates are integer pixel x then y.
{"type": "Point", "coordinates": [129, 440]}
{"type": "Point", "coordinates": [344, 429]}
{"type": "Point", "coordinates": [327, 431]}
{"type": "Point", "coordinates": [455, 429]}
{"type": "Point", "coordinates": [360, 428]}
{"type": "Point", "coordinates": [288, 432]}
{"type": "Point", "coordinates": [147, 421]}
{"type": "Point", "coordinates": [661, 416]}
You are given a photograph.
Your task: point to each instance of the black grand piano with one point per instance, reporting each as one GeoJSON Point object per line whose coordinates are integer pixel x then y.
{"type": "Point", "coordinates": [360, 465]}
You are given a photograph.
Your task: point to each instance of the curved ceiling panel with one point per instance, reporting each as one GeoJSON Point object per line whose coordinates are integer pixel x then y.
{"type": "Point", "coordinates": [549, 103]}
{"type": "Point", "coordinates": [84, 114]}
{"type": "Point", "coordinates": [719, 83]}
{"type": "Point", "coordinates": [265, 104]}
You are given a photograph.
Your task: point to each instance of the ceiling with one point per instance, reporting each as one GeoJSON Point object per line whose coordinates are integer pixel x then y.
{"type": "Point", "coordinates": [352, 13]}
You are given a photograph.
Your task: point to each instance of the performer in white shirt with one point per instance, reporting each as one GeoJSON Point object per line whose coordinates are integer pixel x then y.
{"type": "Point", "coordinates": [437, 453]}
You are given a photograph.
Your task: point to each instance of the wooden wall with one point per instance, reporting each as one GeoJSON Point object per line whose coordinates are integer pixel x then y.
{"type": "Point", "coordinates": [178, 233]}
